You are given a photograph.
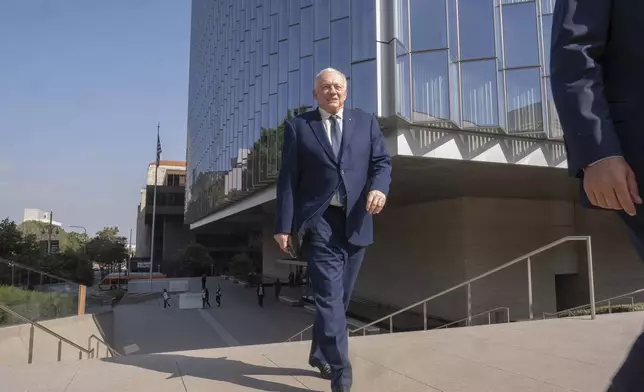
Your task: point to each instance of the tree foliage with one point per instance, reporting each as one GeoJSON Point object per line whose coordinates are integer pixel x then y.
{"type": "Point", "coordinates": [107, 248]}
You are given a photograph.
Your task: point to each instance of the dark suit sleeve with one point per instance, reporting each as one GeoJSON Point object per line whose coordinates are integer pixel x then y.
{"type": "Point", "coordinates": [579, 36]}
{"type": "Point", "coordinates": [287, 182]}
{"type": "Point", "coordinates": [380, 165]}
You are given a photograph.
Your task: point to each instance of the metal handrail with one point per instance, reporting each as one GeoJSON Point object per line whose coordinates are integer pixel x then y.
{"type": "Point", "coordinates": [489, 318]}
{"type": "Point", "coordinates": [81, 350]}
{"type": "Point", "coordinates": [108, 349]}
{"type": "Point", "coordinates": [609, 300]}
{"type": "Point", "coordinates": [301, 334]}
{"type": "Point", "coordinates": [37, 271]}
{"type": "Point", "coordinates": [527, 257]}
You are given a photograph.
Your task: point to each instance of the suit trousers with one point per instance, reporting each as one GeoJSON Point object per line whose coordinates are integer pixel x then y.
{"type": "Point", "coordinates": [630, 377]}
{"type": "Point", "coordinates": [333, 266]}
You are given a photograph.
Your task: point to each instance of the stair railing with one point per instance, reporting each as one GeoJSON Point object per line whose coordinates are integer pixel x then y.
{"type": "Point", "coordinates": [609, 301]}
{"type": "Point", "coordinates": [89, 352]}
{"type": "Point", "coordinates": [468, 283]}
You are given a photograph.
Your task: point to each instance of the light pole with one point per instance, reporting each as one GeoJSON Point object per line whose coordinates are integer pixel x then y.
{"type": "Point", "coordinates": [84, 239]}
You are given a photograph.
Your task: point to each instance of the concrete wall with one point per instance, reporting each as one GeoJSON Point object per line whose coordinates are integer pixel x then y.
{"type": "Point", "coordinates": [422, 249]}
{"type": "Point", "coordinates": [176, 237]}
{"type": "Point", "coordinates": [14, 340]}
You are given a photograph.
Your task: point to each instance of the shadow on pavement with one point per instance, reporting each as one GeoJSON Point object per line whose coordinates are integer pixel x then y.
{"type": "Point", "coordinates": [216, 369]}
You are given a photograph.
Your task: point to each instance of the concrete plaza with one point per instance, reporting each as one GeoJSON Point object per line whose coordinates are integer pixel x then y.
{"type": "Point", "coordinates": [147, 327]}
{"type": "Point", "coordinates": [551, 355]}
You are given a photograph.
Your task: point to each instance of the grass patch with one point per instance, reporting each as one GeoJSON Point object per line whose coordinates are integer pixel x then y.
{"type": "Point", "coordinates": [35, 305]}
{"type": "Point", "coordinates": [604, 310]}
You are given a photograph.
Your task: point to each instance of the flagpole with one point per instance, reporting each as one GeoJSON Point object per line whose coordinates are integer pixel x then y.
{"type": "Point", "coordinates": [154, 205]}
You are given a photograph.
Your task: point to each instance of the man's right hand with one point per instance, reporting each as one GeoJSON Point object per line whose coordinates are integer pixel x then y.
{"type": "Point", "coordinates": [283, 240]}
{"type": "Point", "coordinates": [611, 184]}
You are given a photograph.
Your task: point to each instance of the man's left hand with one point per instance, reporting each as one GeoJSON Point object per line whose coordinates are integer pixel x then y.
{"type": "Point", "coordinates": [375, 202]}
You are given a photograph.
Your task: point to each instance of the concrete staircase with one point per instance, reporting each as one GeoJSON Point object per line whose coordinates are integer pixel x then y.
{"type": "Point", "coordinates": [575, 354]}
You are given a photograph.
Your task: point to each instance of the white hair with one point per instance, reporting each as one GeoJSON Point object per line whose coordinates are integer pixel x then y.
{"type": "Point", "coordinates": [332, 70]}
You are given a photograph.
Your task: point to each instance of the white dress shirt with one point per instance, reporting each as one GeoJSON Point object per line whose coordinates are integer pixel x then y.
{"type": "Point", "coordinates": [326, 122]}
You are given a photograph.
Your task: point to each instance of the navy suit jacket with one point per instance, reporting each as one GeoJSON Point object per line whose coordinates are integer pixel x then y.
{"type": "Point", "coordinates": [597, 79]}
{"type": "Point", "coordinates": [310, 173]}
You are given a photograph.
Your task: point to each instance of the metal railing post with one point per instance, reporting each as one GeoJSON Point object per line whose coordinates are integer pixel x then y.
{"type": "Point", "coordinates": [632, 304]}
{"type": "Point", "coordinates": [610, 308]}
{"type": "Point", "coordinates": [424, 316]}
{"type": "Point", "coordinates": [60, 350]}
{"type": "Point", "coordinates": [30, 355]}
{"type": "Point", "coordinates": [507, 312]}
{"type": "Point", "coordinates": [591, 279]}
{"type": "Point", "coordinates": [530, 308]}
{"type": "Point", "coordinates": [391, 324]}
{"type": "Point", "coordinates": [489, 318]}
{"type": "Point", "coordinates": [469, 304]}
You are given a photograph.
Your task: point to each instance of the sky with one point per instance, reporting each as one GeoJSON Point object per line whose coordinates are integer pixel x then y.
{"type": "Point", "coordinates": [83, 84]}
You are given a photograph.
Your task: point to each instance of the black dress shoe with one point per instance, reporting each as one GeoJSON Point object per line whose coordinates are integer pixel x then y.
{"type": "Point", "coordinates": [324, 368]}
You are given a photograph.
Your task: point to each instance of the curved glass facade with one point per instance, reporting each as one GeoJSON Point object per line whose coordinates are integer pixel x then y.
{"type": "Point", "coordinates": [469, 64]}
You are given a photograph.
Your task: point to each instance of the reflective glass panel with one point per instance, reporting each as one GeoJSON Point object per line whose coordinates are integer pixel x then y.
{"type": "Point", "coordinates": [520, 35]}
{"type": "Point", "coordinates": [363, 32]}
{"type": "Point", "coordinates": [306, 43]}
{"type": "Point", "coordinates": [430, 86]}
{"type": "Point", "coordinates": [322, 55]}
{"type": "Point", "coordinates": [322, 14]}
{"type": "Point", "coordinates": [479, 92]}
{"type": "Point", "coordinates": [306, 82]}
{"type": "Point", "coordinates": [547, 37]}
{"type": "Point", "coordinates": [365, 95]}
{"type": "Point", "coordinates": [294, 47]}
{"type": "Point", "coordinates": [403, 106]}
{"type": "Point", "coordinates": [293, 89]}
{"type": "Point", "coordinates": [340, 46]}
{"type": "Point", "coordinates": [554, 125]}
{"type": "Point", "coordinates": [476, 21]}
{"type": "Point", "coordinates": [339, 9]}
{"type": "Point", "coordinates": [428, 24]}
{"type": "Point", "coordinates": [401, 19]}
{"type": "Point", "coordinates": [524, 100]}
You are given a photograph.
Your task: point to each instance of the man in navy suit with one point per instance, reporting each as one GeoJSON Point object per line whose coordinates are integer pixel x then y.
{"type": "Point", "coordinates": [597, 75]}
{"type": "Point", "coordinates": [335, 175]}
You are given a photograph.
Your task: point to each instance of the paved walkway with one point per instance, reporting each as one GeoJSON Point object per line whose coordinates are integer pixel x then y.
{"type": "Point", "coordinates": [146, 327]}
{"type": "Point", "coordinates": [541, 356]}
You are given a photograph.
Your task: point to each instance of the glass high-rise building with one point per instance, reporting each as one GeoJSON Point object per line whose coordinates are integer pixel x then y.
{"type": "Point", "coordinates": [478, 65]}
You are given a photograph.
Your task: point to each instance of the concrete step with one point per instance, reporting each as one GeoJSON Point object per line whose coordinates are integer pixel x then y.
{"type": "Point", "coordinates": [545, 355]}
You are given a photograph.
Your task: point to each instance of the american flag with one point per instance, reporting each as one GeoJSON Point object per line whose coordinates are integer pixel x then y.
{"type": "Point", "coordinates": [158, 147]}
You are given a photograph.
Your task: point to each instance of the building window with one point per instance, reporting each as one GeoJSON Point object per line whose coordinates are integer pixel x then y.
{"type": "Point", "coordinates": [306, 43]}
{"type": "Point", "coordinates": [365, 96]}
{"type": "Point", "coordinates": [339, 9]}
{"type": "Point", "coordinates": [340, 46]}
{"type": "Point", "coordinates": [430, 86]}
{"type": "Point", "coordinates": [322, 55]}
{"type": "Point", "coordinates": [479, 94]}
{"type": "Point", "coordinates": [401, 21]}
{"type": "Point", "coordinates": [294, 48]}
{"type": "Point", "coordinates": [363, 34]}
{"type": "Point", "coordinates": [306, 82]}
{"type": "Point", "coordinates": [520, 35]}
{"type": "Point", "coordinates": [403, 83]}
{"type": "Point", "coordinates": [524, 101]}
{"type": "Point", "coordinates": [322, 15]}
{"type": "Point", "coordinates": [428, 24]}
{"type": "Point", "coordinates": [476, 22]}
{"type": "Point", "coordinates": [547, 36]}
{"type": "Point", "coordinates": [294, 89]}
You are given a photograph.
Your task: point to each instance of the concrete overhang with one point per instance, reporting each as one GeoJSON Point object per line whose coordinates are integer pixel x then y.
{"type": "Point", "coordinates": [421, 179]}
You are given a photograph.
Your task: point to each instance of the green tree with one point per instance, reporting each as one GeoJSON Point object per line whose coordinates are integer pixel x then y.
{"type": "Point", "coordinates": [196, 259]}
{"type": "Point", "coordinates": [106, 251]}
{"type": "Point", "coordinates": [108, 233]}
{"type": "Point", "coordinates": [16, 245]}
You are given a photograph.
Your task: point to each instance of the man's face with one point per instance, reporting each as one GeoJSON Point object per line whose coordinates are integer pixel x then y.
{"type": "Point", "coordinates": [330, 92]}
